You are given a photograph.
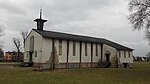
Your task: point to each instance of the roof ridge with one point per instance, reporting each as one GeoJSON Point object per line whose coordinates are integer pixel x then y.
{"type": "Point", "coordinates": [73, 37]}
{"type": "Point", "coordinates": [70, 34]}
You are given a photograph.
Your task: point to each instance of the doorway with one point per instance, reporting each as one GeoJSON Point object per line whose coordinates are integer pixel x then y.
{"type": "Point", "coordinates": [108, 57]}
{"type": "Point", "coordinates": [125, 65]}
{"type": "Point", "coordinates": [30, 56]}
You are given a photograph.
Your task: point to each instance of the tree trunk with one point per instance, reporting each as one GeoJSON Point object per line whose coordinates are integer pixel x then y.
{"type": "Point", "coordinates": [18, 55]}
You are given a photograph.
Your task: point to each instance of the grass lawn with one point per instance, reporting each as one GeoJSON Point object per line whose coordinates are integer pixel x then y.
{"type": "Point", "coordinates": [140, 74]}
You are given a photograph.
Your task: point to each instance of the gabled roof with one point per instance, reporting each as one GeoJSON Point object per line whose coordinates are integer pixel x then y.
{"type": "Point", "coordinates": [65, 36]}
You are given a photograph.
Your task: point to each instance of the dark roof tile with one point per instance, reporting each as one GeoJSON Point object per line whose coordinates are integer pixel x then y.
{"type": "Point", "coordinates": [65, 36]}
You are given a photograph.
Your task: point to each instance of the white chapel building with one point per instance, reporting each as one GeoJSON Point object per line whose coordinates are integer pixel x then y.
{"type": "Point", "coordinates": [51, 50]}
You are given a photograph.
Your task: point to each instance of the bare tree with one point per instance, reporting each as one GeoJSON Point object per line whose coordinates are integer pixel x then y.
{"type": "Point", "coordinates": [17, 43]}
{"type": "Point", "coordinates": [148, 56]}
{"type": "Point", "coordinates": [140, 15]}
{"type": "Point", "coordinates": [1, 29]}
{"type": "Point", "coordinates": [1, 34]}
{"type": "Point", "coordinates": [24, 35]}
{"type": "Point", "coordinates": [147, 34]}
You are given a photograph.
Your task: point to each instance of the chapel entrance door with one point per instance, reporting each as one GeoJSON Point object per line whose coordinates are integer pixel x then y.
{"type": "Point", "coordinates": [125, 65]}
{"type": "Point", "coordinates": [108, 57]}
{"type": "Point", "coordinates": [30, 56]}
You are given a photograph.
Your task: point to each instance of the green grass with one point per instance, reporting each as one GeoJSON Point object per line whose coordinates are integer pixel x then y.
{"type": "Point", "coordinates": [140, 74]}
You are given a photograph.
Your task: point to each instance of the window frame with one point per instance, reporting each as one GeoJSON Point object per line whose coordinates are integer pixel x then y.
{"type": "Point", "coordinates": [74, 48]}
{"type": "Point", "coordinates": [119, 53]}
{"type": "Point", "coordinates": [96, 49]}
{"type": "Point", "coordinates": [129, 54]}
{"type": "Point", "coordinates": [124, 54]}
{"type": "Point", "coordinates": [60, 47]}
{"type": "Point", "coordinates": [32, 43]}
{"type": "Point", "coordinates": [86, 48]}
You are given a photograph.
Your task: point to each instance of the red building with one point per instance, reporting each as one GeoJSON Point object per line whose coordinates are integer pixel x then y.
{"type": "Point", "coordinates": [13, 56]}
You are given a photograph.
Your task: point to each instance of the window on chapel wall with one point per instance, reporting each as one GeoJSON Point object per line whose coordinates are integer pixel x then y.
{"type": "Point", "coordinates": [35, 53]}
{"type": "Point", "coordinates": [119, 53]}
{"type": "Point", "coordinates": [96, 49]}
{"type": "Point", "coordinates": [124, 54]}
{"type": "Point", "coordinates": [85, 49]}
{"type": "Point", "coordinates": [32, 43]}
{"type": "Point", "coordinates": [129, 54]}
{"type": "Point", "coordinates": [60, 47]}
{"type": "Point", "coordinates": [74, 48]}
{"type": "Point", "coordinates": [27, 54]}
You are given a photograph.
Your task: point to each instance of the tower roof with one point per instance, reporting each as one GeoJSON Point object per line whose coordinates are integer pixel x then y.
{"type": "Point", "coordinates": [40, 21]}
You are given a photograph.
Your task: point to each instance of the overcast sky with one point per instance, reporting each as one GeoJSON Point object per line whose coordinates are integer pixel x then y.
{"type": "Point", "coordinates": [97, 18]}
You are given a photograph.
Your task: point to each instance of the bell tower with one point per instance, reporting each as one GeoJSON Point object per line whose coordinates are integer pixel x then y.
{"type": "Point", "coordinates": [40, 21]}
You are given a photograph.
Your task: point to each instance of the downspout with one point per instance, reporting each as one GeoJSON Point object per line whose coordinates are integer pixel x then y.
{"type": "Point", "coordinates": [67, 66]}
{"type": "Point", "coordinates": [80, 53]}
{"type": "Point", "coordinates": [91, 54]}
{"type": "Point", "coordinates": [53, 55]}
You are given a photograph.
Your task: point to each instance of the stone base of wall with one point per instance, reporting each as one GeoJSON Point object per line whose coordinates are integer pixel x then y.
{"type": "Point", "coordinates": [42, 65]}
{"type": "Point", "coordinates": [64, 65]}
{"type": "Point", "coordinates": [85, 65]}
{"type": "Point", "coordinates": [61, 66]}
{"type": "Point", "coordinates": [75, 65]}
{"type": "Point", "coordinates": [93, 65]}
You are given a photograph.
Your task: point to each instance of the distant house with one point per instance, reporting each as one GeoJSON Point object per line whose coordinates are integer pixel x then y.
{"type": "Point", "coordinates": [49, 49]}
{"type": "Point", "coordinates": [7, 56]}
{"type": "Point", "coordinates": [13, 56]}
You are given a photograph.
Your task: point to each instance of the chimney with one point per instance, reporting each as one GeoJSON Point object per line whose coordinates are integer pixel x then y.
{"type": "Point", "coordinates": [40, 21]}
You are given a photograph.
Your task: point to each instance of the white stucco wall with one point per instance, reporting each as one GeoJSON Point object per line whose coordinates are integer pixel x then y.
{"type": "Point", "coordinates": [96, 58]}
{"type": "Point", "coordinates": [62, 58]}
{"type": "Point", "coordinates": [37, 46]}
{"type": "Point", "coordinates": [126, 59]}
{"type": "Point", "coordinates": [88, 57]}
{"type": "Point", "coordinates": [76, 58]}
{"type": "Point", "coordinates": [46, 50]}
{"type": "Point", "coordinates": [113, 51]}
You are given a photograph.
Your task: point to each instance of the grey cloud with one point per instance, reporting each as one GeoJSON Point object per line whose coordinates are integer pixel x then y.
{"type": "Point", "coordinates": [12, 8]}
{"type": "Point", "coordinates": [99, 18]}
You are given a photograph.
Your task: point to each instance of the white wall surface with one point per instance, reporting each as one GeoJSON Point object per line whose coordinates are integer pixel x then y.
{"type": "Point", "coordinates": [113, 51]}
{"type": "Point", "coordinates": [96, 58]}
{"type": "Point", "coordinates": [76, 58]}
{"type": "Point", "coordinates": [46, 49]}
{"type": "Point", "coordinates": [126, 59]}
{"type": "Point", "coordinates": [37, 46]}
{"type": "Point", "coordinates": [88, 57]}
{"type": "Point", "coordinates": [63, 57]}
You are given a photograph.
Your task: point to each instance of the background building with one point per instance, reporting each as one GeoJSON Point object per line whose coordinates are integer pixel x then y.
{"type": "Point", "coordinates": [13, 56]}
